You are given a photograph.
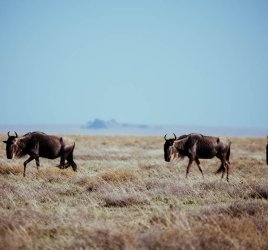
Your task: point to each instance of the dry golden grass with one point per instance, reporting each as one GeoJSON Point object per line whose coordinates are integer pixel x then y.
{"type": "Point", "coordinates": [118, 175]}
{"type": "Point", "coordinates": [124, 196]}
{"type": "Point", "coordinates": [10, 168]}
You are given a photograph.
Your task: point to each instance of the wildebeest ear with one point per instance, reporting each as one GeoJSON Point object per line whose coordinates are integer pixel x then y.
{"type": "Point", "coordinates": [4, 141]}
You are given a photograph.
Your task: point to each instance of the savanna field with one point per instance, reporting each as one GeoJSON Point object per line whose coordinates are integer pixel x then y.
{"type": "Point", "coordinates": [125, 196]}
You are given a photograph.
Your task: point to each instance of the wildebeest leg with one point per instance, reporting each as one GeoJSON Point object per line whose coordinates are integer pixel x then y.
{"type": "Point", "coordinates": [71, 161]}
{"type": "Point", "coordinates": [225, 165]}
{"type": "Point", "coordinates": [227, 170]}
{"type": "Point", "coordinates": [66, 165]}
{"type": "Point", "coordinates": [34, 152]}
{"type": "Point", "coordinates": [228, 164]}
{"type": "Point", "coordinates": [223, 170]}
{"type": "Point", "coordinates": [37, 162]}
{"type": "Point", "coordinates": [188, 167]}
{"type": "Point", "coordinates": [74, 166]}
{"type": "Point", "coordinates": [200, 169]}
{"type": "Point", "coordinates": [62, 160]}
{"type": "Point", "coordinates": [25, 163]}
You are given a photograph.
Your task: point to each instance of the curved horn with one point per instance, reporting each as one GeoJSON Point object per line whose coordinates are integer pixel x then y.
{"type": "Point", "coordinates": [165, 137]}
{"type": "Point", "coordinates": [175, 136]}
{"type": "Point", "coordinates": [16, 134]}
{"type": "Point", "coordinates": [8, 133]}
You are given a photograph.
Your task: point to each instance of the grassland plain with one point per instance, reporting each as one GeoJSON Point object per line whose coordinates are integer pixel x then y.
{"type": "Point", "coordinates": [124, 196]}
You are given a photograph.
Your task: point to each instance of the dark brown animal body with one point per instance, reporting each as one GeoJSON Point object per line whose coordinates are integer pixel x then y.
{"type": "Point", "coordinates": [38, 144]}
{"type": "Point", "coordinates": [267, 151]}
{"type": "Point", "coordinates": [197, 146]}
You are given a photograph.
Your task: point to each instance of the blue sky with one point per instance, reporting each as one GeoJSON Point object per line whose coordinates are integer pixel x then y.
{"type": "Point", "coordinates": [151, 62]}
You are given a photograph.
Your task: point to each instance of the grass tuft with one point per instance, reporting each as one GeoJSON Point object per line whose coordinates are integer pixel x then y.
{"type": "Point", "coordinates": [259, 191]}
{"type": "Point", "coordinates": [123, 200]}
{"type": "Point", "coordinates": [10, 168]}
{"type": "Point", "coordinates": [118, 175]}
{"type": "Point", "coordinates": [53, 174]}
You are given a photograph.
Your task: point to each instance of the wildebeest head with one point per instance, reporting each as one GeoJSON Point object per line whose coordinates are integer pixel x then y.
{"type": "Point", "coordinates": [168, 149]}
{"type": "Point", "coordinates": [11, 145]}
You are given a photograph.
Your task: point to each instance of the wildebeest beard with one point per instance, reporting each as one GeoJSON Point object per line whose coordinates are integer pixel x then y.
{"type": "Point", "coordinates": [19, 151]}
{"type": "Point", "coordinates": [175, 154]}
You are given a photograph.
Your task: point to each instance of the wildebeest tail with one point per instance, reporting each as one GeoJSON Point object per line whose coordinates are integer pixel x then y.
{"type": "Point", "coordinates": [73, 149]}
{"type": "Point", "coordinates": [70, 156]}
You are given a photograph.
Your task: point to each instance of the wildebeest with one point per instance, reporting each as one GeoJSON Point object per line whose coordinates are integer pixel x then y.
{"type": "Point", "coordinates": [197, 146]}
{"type": "Point", "coordinates": [39, 144]}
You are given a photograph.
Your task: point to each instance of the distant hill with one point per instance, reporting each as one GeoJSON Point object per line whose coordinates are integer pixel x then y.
{"type": "Point", "coordinates": [101, 124]}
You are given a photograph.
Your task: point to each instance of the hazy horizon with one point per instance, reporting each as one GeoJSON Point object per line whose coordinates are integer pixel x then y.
{"type": "Point", "coordinates": [83, 125]}
{"type": "Point", "coordinates": [150, 130]}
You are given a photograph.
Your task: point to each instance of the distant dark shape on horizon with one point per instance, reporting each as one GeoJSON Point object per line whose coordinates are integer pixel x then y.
{"type": "Point", "coordinates": [198, 146]}
{"type": "Point", "coordinates": [100, 124]}
{"type": "Point", "coordinates": [39, 144]}
{"type": "Point", "coordinates": [112, 124]}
